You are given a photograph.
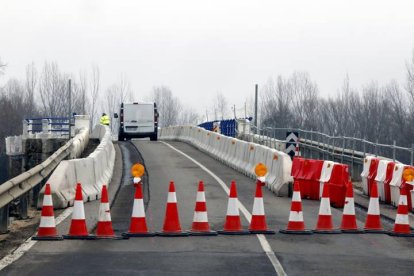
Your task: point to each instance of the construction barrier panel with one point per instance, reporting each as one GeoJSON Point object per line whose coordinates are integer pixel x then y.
{"type": "Point", "coordinates": [92, 171]}
{"type": "Point", "coordinates": [337, 184]}
{"type": "Point", "coordinates": [237, 154]}
{"type": "Point", "coordinates": [396, 182]}
{"type": "Point", "coordinates": [380, 178]}
{"type": "Point", "coordinates": [315, 174]}
{"type": "Point", "coordinates": [308, 177]}
{"type": "Point", "coordinates": [365, 174]}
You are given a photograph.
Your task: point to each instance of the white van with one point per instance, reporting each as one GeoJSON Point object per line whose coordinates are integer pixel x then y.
{"type": "Point", "coordinates": [138, 120]}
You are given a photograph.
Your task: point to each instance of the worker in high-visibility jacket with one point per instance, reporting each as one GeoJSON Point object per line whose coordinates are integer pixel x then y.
{"type": "Point", "coordinates": [105, 120]}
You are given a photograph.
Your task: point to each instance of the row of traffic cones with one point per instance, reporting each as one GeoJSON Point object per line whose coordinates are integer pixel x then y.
{"type": "Point", "coordinates": [296, 224]}
{"type": "Point", "coordinates": [232, 226]}
{"type": "Point", "coordinates": [78, 229]}
{"type": "Point", "coordinates": [200, 225]}
{"type": "Point", "coordinates": [138, 226]}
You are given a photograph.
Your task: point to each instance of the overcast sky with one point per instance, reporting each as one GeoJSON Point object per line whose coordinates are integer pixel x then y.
{"type": "Point", "coordinates": [200, 47]}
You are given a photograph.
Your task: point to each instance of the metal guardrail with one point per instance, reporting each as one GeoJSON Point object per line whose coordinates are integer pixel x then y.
{"type": "Point", "coordinates": [49, 125]}
{"type": "Point", "coordinates": [20, 186]}
{"type": "Point", "coordinates": [341, 147]}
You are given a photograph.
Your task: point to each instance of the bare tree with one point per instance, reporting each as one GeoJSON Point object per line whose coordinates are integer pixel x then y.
{"type": "Point", "coordinates": [115, 95]}
{"type": "Point", "coordinates": [188, 116]}
{"type": "Point", "coordinates": [410, 79]}
{"type": "Point", "coordinates": [168, 105]}
{"type": "Point", "coordinates": [220, 106]}
{"type": "Point", "coordinates": [83, 86]}
{"type": "Point", "coordinates": [276, 103]}
{"type": "Point", "coordinates": [53, 91]}
{"type": "Point", "coordinates": [94, 93]}
{"type": "Point", "coordinates": [31, 83]}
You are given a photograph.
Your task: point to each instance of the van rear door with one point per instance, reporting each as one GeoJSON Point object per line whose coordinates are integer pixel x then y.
{"type": "Point", "coordinates": [138, 118]}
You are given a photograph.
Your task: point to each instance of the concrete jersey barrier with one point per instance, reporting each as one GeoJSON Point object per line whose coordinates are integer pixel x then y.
{"type": "Point", "coordinates": [238, 154]}
{"type": "Point", "coordinates": [92, 171]}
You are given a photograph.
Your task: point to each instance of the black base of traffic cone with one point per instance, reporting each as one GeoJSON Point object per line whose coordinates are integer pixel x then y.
{"type": "Point", "coordinates": [88, 237]}
{"type": "Point", "coordinates": [51, 238]}
{"type": "Point", "coordinates": [327, 231]}
{"type": "Point", "coordinates": [352, 231]}
{"type": "Point", "coordinates": [112, 238]}
{"type": "Point", "coordinates": [264, 232]}
{"type": "Point", "coordinates": [296, 232]}
{"type": "Point", "coordinates": [173, 234]}
{"type": "Point", "coordinates": [400, 234]}
{"type": "Point", "coordinates": [204, 233]}
{"type": "Point", "coordinates": [375, 231]}
{"type": "Point", "coordinates": [136, 235]}
{"type": "Point", "coordinates": [234, 233]}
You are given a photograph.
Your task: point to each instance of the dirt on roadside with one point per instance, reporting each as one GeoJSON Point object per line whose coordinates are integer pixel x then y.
{"type": "Point", "coordinates": [19, 231]}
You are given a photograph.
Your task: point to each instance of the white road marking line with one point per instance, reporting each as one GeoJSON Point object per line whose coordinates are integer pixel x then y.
{"type": "Point", "coordinates": [262, 239]}
{"type": "Point", "coordinates": [24, 247]}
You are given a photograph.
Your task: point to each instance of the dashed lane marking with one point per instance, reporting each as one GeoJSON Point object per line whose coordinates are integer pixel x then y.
{"type": "Point", "coordinates": [29, 243]}
{"type": "Point", "coordinates": [262, 239]}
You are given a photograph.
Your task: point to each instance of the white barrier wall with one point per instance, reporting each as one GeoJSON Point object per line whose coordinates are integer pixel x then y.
{"type": "Point", "coordinates": [240, 155]}
{"type": "Point", "coordinates": [92, 172]}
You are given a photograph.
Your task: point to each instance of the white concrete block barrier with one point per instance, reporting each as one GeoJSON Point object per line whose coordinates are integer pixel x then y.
{"type": "Point", "coordinates": [237, 154]}
{"type": "Point", "coordinates": [92, 171]}
{"type": "Point", "coordinates": [380, 178]}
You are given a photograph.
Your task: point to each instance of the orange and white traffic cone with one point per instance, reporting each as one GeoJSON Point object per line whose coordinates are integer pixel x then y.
{"type": "Point", "coordinates": [402, 224]}
{"type": "Point", "coordinates": [258, 223]}
{"type": "Point", "coordinates": [172, 225]}
{"type": "Point", "coordinates": [349, 221]}
{"type": "Point", "coordinates": [200, 226]}
{"type": "Point", "coordinates": [325, 224]}
{"type": "Point", "coordinates": [373, 221]}
{"type": "Point", "coordinates": [296, 224]}
{"type": "Point", "coordinates": [138, 226]}
{"type": "Point", "coordinates": [78, 228]}
{"type": "Point", "coordinates": [47, 228]}
{"type": "Point", "coordinates": [232, 225]}
{"type": "Point", "coordinates": [104, 229]}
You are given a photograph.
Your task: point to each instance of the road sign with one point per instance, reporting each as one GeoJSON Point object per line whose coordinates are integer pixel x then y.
{"type": "Point", "coordinates": [291, 140]}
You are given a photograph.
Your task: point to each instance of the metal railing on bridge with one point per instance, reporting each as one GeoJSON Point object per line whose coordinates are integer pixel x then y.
{"type": "Point", "coordinates": [313, 144]}
{"type": "Point", "coordinates": [55, 126]}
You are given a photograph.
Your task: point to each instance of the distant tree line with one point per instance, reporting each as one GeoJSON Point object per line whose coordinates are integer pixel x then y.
{"type": "Point", "coordinates": [376, 113]}
{"type": "Point", "coordinates": [43, 92]}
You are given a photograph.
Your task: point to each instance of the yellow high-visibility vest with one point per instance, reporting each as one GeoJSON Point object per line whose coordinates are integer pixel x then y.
{"type": "Point", "coordinates": [105, 120]}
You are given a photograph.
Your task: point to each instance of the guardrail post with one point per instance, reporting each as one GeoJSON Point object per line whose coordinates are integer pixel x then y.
{"type": "Point", "coordinates": [4, 219]}
{"type": "Point", "coordinates": [343, 149]}
{"type": "Point", "coordinates": [45, 126]}
{"type": "Point", "coordinates": [393, 150]}
{"type": "Point", "coordinates": [376, 148]}
{"type": "Point", "coordinates": [364, 147]}
{"type": "Point", "coordinates": [412, 154]}
{"type": "Point", "coordinates": [23, 206]}
{"type": "Point", "coordinates": [30, 127]}
{"type": "Point", "coordinates": [311, 140]}
{"type": "Point", "coordinates": [36, 191]}
{"type": "Point", "coordinates": [352, 159]}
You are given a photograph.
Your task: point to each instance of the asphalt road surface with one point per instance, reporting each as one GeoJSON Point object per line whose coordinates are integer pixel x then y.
{"type": "Point", "coordinates": [342, 254]}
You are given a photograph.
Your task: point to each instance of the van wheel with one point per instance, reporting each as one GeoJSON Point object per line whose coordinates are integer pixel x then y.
{"type": "Point", "coordinates": [120, 138]}
{"type": "Point", "coordinates": [153, 137]}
